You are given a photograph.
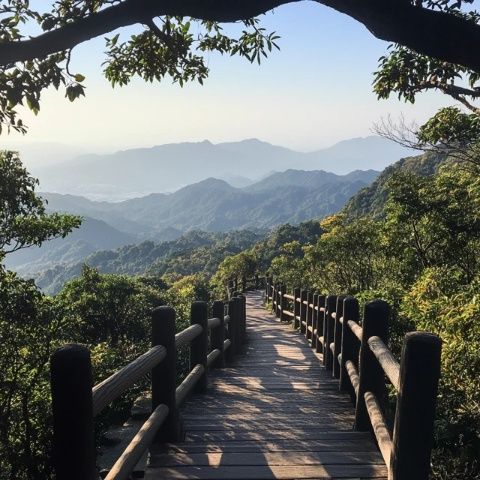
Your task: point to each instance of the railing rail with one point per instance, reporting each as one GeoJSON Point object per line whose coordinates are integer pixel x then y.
{"type": "Point", "coordinates": [76, 401]}
{"type": "Point", "coordinates": [356, 353]}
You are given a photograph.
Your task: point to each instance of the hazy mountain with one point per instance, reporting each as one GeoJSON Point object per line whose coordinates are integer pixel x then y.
{"type": "Point", "coordinates": [214, 205]}
{"type": "Point", "coordinates": [211, 205]}
{"type": "Point", "coordinates": [166, 168]}
{"type": "Point", "coordinates": [93, 235]}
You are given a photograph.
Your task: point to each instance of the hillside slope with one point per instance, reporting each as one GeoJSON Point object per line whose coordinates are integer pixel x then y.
{"type": "Point", "coordinates": [371, 199]}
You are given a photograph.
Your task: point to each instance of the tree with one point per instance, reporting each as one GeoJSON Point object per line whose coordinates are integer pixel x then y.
{"type": "Point", "coordinates": [177, 33]}
{"type": "Point", "coordinates": [23, 220]}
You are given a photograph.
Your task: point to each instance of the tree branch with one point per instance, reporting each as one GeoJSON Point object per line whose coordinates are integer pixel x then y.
{"type": "Point", "coordinates": [437, 34]}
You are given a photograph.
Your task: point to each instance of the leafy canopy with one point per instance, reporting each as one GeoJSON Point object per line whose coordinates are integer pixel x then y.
{"type": "Point", "coordinates": [23, 220]}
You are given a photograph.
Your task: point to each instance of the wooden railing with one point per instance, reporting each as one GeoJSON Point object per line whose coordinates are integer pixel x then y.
{"type": "Point", "coordinates": [355, 351]}
{"type": "Point", "coordinates": [75, 401]}
{"type": "Point", "coordinates": [244, 284]}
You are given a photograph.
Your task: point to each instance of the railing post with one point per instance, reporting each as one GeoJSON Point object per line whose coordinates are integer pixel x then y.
{"type": "Point", "coordinates": [237, 310]}
{"type": "Point", "coordinates": [243, 318]}
{"type": "Point", "coordinates": [296, 308]}
{"type": "Point", "coordinates": [350, 345]}
{"type": "Point", "coordinates": [217, 335]}
{"type": "Point", "coordinates": [372, 377]}
{"type": "Point", "coordinates": [274, 298]}
{"type": "Point", "coordinates": [314, 321]}
{"type": "Point", "coordinates": [329, 331]}
{"type": "Point", "coordinates": [278, 298]}
{"type": "Point", "coordinates": [73, 432]}
{"type": "Point", "coordinates": [415, 414]}
{"type": "Point", "coordinates": [232, 330]}
{"type": "Point", "coordinates": [283, 305]}
{"type": "Point", "coordinates": [303, 311]}
{"type": "Point", "coordinates": [199, 345]}
{"type": "Point", "coordinates": [244, 283]}
{"type": "Point", "coordinates": [337, 337]}
{"type": "Point", "coordinates": [256, 281]}
{"type": "Point", "coordinates": [164, 375]}
{"type": "Point", "coordinates": [320, 323]}
{"type": "Point", "coordinates": [309, 316]}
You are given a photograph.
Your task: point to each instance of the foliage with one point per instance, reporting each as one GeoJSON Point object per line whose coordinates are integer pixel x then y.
{"type": "Point", "coordinates": [170, 46]}
{"type": "Point", "coordinates": [443, 303]}
{"type": "Point", "coordinates": [31, 326]}
{"type": "Point", "coordinates": [371, 200]}
{"type": "Point", "coordinates": [23, 221]}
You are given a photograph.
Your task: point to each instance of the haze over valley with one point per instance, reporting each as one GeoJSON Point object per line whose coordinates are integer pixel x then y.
{"type": "Point", "coordinates": [166, 168]}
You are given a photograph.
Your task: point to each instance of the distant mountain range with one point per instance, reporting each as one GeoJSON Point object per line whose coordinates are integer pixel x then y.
{"type": "Point", "coordinates": [166, 168]}
{"type": "Point", "coordinates": [211, 205]}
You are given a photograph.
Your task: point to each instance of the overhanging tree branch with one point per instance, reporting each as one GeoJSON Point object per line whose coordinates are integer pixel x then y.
{"type": "Point", "coordinates": [440, 35]}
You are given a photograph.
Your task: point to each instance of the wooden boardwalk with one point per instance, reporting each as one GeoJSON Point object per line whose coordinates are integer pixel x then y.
{"type": "Point", "coordinates": [274, 413]}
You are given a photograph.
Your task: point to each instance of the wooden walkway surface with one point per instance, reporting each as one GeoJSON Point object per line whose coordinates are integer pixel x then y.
{"type": "Point", "coordinates": [274, 413]}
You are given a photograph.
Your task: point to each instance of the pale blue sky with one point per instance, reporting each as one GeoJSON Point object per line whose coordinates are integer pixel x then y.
{"type": "Point", "coordinates": [312, 93]}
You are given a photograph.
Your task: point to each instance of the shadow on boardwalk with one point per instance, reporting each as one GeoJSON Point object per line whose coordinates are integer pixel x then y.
{"type": "Point", "coordinates": [274, 413]}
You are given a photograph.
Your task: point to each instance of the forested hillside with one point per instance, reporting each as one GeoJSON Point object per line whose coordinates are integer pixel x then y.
{"type": "Point", "coordinates": [212, 205]}
{"type": "Point", "coordinates": [371, 200]}
{"type": "Point", "coordinates": [192, 253]}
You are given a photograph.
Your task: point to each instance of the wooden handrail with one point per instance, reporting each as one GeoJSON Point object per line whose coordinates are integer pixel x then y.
{"type": "Point", "coordinates": [386, 360]}
{"type": "Point", "coordinates": [188, 384]}
{"type": "Point", "coordinates": [112, 387]}
{"type": "Point", "coordinates": [356, 329]}
{"type": "Point", "coordinates": [186, 336]}
{"type": "Point", "coordinates": [379, 426]}
{"type": "Point", "coordinates": [123, 467]}
{"type": "Point", "coordinates": [360, 358]}
{"type": "Point", "coordinates": [80, 399]}
{"type": "Point", "coordinates": [213, 323]}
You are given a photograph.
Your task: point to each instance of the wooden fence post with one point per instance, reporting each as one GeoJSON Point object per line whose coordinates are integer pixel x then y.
{"type": "Point", "coordinates": [164, 375]}
{"type": "Point", "coordinates": [73, 432]}
{"type": "Point", "coordinates": [296, 308]}
{"type": "Point", "coordinates": [350, 345]}
{"type": "Point", "coordinates": [237, 309]}
{"type": "Point", "coordinates": [315, 321]}
{"type": "Point", "coordinates": [320, 323]}
{"type": "Point", "coordinates": [309, 318]}
{"type": "Point", "coordinates": [232, 330]}
{"type": "Point", "coordinates": [283, 305]}
{"type": "Point", "coordinates": [217, 335]}
{"type": "Point", "coordinates": [199, 345]}
{"type": "Point", "coordinates": [329, 331]}
{"type": "Point", "coordinates": [337, 337]}
{"type": "Point", "coordinates": [278, 298]}
{"type": "Point", "coordinates": [415, 414]}
{"type": "Point", "coordinates": [243, 318]}
{"type": "Point", "coordinates": [372, 377]}
{"type": "Point", "coordinates": [303, 310]}
{"type": "Point", "coordinates": [256, 281]}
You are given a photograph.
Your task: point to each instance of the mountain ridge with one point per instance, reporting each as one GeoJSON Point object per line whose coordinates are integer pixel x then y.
{"type": "Point", "coordinates": [136, 172]}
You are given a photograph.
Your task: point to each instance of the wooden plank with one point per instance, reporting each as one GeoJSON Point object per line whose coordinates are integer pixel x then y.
{"type": "Point", "coordinates": [267, 459]}
{"type": "Point", "coordinates": [268, 472]}
{"type": "Point", "coordinates": [361, 444]}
